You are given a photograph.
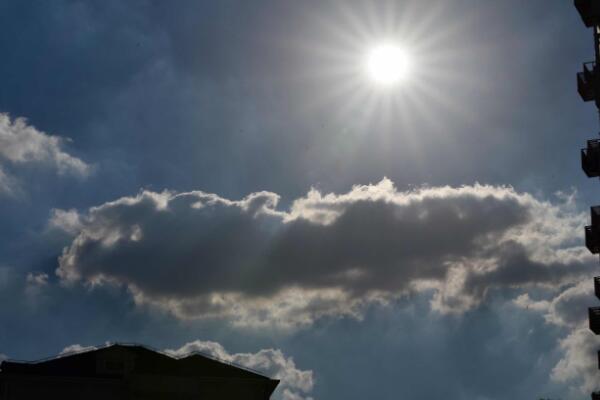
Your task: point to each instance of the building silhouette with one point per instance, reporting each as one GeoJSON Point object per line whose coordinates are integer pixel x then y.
{"type": "Point", "coordinates": [123, 371]}
{"type": "Point", "coordinates": [588, 86]}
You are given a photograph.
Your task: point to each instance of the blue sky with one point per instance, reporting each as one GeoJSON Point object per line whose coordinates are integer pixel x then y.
{"type": "Point", "coordinates": [224, 176]}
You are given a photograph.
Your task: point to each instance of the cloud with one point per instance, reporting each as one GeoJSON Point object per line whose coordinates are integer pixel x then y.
{"type": "Point", "coordinates": [21, 144]}
{"type": "Point", "coordinates": [37, 279]}
{"type": "Point", "coordinates": [295, 384]}
{"type": "Point", "coordinates": [65, 220]}
{"type": "Point", "coordinates": [568, 308]}
{"type": "Point", "coordinates": [8, 185]}
{"type": "Point", "coordinates": [579, 366]}
{"type": "Point", "coordinates": [200, 255]}
{"type": "Point", "coordinates": [76, 348]}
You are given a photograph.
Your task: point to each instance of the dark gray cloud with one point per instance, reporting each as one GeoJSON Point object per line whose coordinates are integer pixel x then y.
{"type": "Point", "coordinates": [199, 255]}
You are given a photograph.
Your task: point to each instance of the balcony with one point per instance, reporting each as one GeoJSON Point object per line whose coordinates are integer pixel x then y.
{"type": "Point", "coordinates": [592, 232]}
{"type": "Point", "coordinates": [594, 317]}
{"type": "Point", "coordinates": [590, 158]}
{"type": "Point", "coordinates": [592, 239]}
{"type": "Point", "coordinates": [589, 10]}
{"type": "Point", "coordinates": [586, 82]}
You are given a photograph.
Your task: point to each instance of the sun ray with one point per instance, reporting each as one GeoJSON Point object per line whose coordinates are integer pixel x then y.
{"type": "Point", "coordinates": [395, 111]}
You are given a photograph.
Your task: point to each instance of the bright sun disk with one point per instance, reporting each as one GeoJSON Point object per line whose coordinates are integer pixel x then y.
{"type": "Point", "coordinates": [388, 64]}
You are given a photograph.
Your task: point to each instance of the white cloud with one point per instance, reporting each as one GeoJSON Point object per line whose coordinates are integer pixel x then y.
{"type": "Point", "coordinates": [65, 220]}
{"type": "Point", "coordinates": [295, 384]}
{"type": "Point", "coordinates": [21, 143]}
{"type": "Point", "coordinates": [524, 301]}
{"type": "Point", "coordinates": [568, 308]}
{"type": "Point", "coordinates": [76, 348]}
{"type": "Point", "coordinates": [579, 366]}
{"type": "Point", "coordinates": [200, 255]}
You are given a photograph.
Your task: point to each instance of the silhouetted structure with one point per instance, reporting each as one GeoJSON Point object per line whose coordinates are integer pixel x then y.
{"type": "Point", "coordinates": [594, 317]}
{"type": "Point", "coordinates": [588, 86]}
{"type": "Point", "coordinates": [590, 158]}
{"type": "Point", "coordinates": [585, 82]}
{"type": "Point", "coordinates": [589, 11]}
{"type": "Point", "coordinates": [592, 232]}
{"type": "Point", "coordinates": [122, 371]}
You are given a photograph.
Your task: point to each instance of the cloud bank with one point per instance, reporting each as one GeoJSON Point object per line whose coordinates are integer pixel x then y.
{"type": "Point", "coordinates": [295, 384]}
{"type": "Point", "coordinates": [200, 255]}
{"type": "Point", "coordinates": [22, 144]}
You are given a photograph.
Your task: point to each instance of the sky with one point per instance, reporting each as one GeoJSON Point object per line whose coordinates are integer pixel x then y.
{"type": "Point", "coordinates": [226, 177]}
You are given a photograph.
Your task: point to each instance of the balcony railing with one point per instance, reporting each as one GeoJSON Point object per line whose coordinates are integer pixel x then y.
{"type": "Point", "coordinates": [586, 82]}
{"type": "Point", "coordinates": [592, 239]}
{"type": "Point", "coordinates": [590, 158]}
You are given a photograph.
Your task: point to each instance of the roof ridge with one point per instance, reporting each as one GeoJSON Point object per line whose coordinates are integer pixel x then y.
{"type": "Point", "coordinates": [106, 345]}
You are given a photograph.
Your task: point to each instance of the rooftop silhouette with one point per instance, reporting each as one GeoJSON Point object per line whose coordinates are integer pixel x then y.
{"type": "Point", "coordinates": [123, 371]}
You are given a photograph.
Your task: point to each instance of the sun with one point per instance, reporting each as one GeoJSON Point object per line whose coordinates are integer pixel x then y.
{"type": "Point", "coordinates": [388, 64]}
